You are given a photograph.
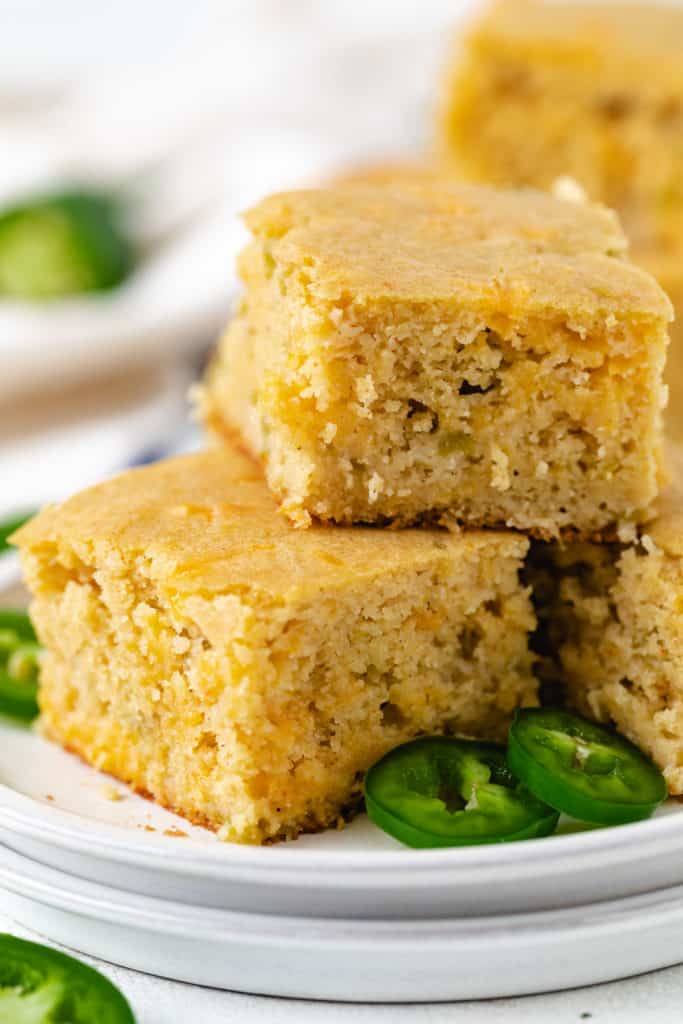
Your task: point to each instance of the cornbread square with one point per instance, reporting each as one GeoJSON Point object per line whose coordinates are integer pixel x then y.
{"type": "Point", "coordinates": [431, 349]}
{"type": "Point", "coordinates": [246, 674]}
{"type": "Point", "coordinates": [611, 630]}
{"type": "Point", "coordinates": [591, 90]}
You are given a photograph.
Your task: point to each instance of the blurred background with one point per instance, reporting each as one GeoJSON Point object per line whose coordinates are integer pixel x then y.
{"type": "Point", "coordinates": [178, 115]}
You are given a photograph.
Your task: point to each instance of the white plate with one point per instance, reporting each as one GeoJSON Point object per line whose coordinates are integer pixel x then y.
{"type": "Point", "coordinates": [358, 872]}
{"type": "Point", "coordinates": [349, 960]}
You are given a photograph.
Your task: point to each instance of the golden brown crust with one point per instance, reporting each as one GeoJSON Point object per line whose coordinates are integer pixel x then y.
{"type": "Point", "coordinates": [511, 251]}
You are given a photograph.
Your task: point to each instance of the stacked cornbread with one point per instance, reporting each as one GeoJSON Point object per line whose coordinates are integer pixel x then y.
{"type": "Point", "coordinates": [436, 483]}
{"type": "Point", "coordinates": [589, 90]}
{"type": "Point", "coordinates": [483, 364]}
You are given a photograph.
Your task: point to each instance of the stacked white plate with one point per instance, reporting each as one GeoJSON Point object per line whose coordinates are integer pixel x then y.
{"type": "Point", "coordinates": [347, 915]}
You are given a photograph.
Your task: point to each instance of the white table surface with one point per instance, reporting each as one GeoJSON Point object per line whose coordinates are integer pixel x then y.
{"type": "Point", "coordinates": [652, 997]}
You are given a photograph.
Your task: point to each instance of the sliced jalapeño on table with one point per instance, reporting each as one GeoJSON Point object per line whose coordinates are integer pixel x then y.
{"type": "Point", "coordinates": [7, 528]}
{"type": "Point", "coordinates": [583, 769]}
{"type": "Point", "coordinates": [42, 986]}
{"type": "Point", "coordinates": [20, 655]}
{"type": "Point", "coordinates": [61, 244]}
{"type": "Point", "coordinates": [438, 791]}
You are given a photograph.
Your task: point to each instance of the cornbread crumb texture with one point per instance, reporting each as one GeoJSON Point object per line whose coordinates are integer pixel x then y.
{"type": "Point", "coordinates": [246, 674]}
{"type": "Point", "coordinates": [409, 350]}
{"type": "Point", "coordinates": [590, 90]}
{"type": "Point", "coordinates": [611, 629]}
{"type": "Point", "coordinates": [664, 262]}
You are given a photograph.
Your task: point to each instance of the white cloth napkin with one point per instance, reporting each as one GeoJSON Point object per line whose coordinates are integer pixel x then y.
{"type": "Point", "coordinates": [53, 447]}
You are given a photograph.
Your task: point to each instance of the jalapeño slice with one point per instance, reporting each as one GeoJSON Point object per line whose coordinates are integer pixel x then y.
{"type": "Point", "coordinates": [8, 527]}
{"type": "Point", "coordinates": [62, 244]}
{"type": "Point", "coordinates": [446, 792]}
{"type": "Point", "coordinates": [41, 986]}
{"type": "Point", "coordinates": [19, 663]}
{"type": "Point", "coordinates": [583, 769]}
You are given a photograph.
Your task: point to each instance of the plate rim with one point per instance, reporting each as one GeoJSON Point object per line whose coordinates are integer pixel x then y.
{"type": "Point", "coordinates": [50, 886]}
{"type": "Point", "coordinates": [25, 815]}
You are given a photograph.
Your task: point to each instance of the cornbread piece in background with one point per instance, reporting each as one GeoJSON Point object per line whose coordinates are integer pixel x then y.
{"type": "Point", "coordinates": [409, 352]}
{"type": "Point", "coordinates": [393, 172]}
{"type": "Point", "coordinates": [589, 90]}
{"type": "Point", "coordinates": [246, 674]}
{"type": "Point", "coordinates": [611, 630]}
{"type": "Point", "coordinates": [667, 267]}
